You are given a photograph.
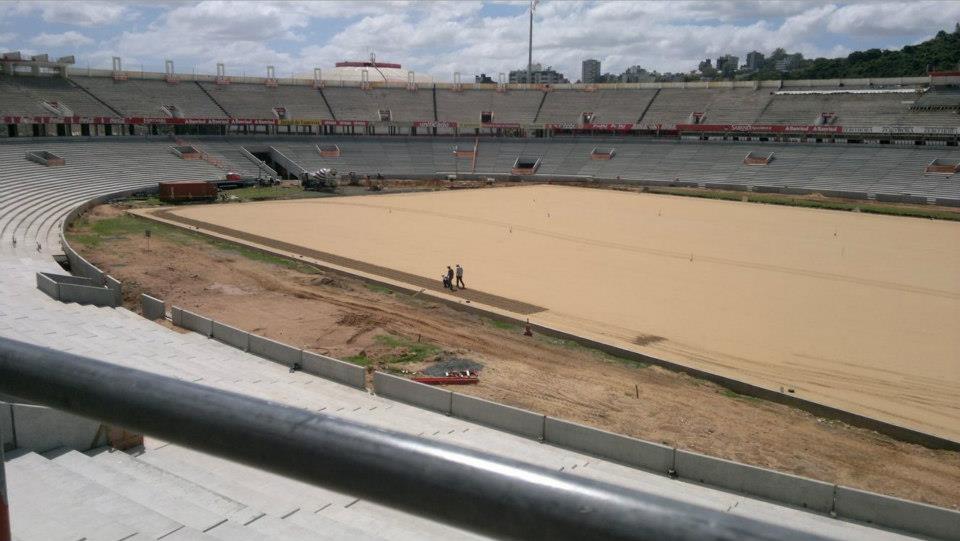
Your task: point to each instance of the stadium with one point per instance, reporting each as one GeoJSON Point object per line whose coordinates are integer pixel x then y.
{"type": "Point", "coordinates": [695, 309]}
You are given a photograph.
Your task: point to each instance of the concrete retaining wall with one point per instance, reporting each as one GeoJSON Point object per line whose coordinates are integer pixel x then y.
{"type": "Point", "coordinates": [274, 351]}
{"type": "Point", "coordinates": [507, 418]}
{"type": "Point", "coordinates": [609, 446]}
{"type": "Point", "coordinates": [196, 323]}
{"type": "Point", "coordinates": [66, 288]}
{"type": "Point", "coordinates": [231, 336]}
{"type": "Point", "coordinates": [411, 392]}
{"type": "Point", "coordinates": [80, 266]}
{"type": "Point", "coordinates": [42, 429]}
{"type": "Point", "coordinates": [843, 195]}
{"type": "Point", "coordinates": [948, 202]}
{"type": "Point", "coordinates": [726, 186]}
{"type": "Point", "coordinates": [97, 296]}
{"type": "Point", "coordinates": [769, 484]}
{"type": "Point", "coordinates": [333, 369]}
{"type": "Point", "coordinates": [889, 512]}
{"type": "Point", "coordinates": [902, 198]}
{"type": "Point", "coordinates": [48, 286]}
{"type": "Point", "coordinates": [152, 308]}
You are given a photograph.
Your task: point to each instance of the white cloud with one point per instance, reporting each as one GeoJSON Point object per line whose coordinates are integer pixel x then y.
{"type": "Point", "coordinates": [442, 37]}
{"type": "Point", "coordinates": [68, 39]}
{"type": "Point", "coordinates": [891, 19]}
{"type": "Point", "coordinates": [79, 13]}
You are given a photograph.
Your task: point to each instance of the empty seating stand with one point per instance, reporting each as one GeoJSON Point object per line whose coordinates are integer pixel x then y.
{"type": "Point", "coordinates": [466, 107]}
{"type": "Point", "coordinates": [148, 97]}
{"type": "Point", "coordinates": [25, 95]}
{"type": "Point", "coordinates": [247, 100]}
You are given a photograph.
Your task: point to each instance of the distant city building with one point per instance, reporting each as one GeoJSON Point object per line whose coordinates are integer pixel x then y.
{"type": "Point", "coordinates": [754, 60]}
{"type": "Point", "coordinates": [541, 76]}
{"type": "Point", "coordinates": [727, 64]}
{"type": "Point", "coordinates": [705, 66]}
{"type": "Point", "coordinates": [789, 62]}
{"type": "Point", "coordinates": [483, 78]}
{"type": "Point", "coordinates": [590, 71]}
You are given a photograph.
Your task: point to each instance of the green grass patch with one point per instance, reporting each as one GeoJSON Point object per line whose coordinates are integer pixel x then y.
{"type": "Point", "coordinates": [266, 193]}
{"type": "Point", "coordinates": [731, 394]}
{"type": "Point", "coordinates": [360, 360]}
{"type": "Point", "coordinates": [779, 199]}
{"type": "Point", "coordinates": [600, 354]}
{"type": "Point", "coordinates": [93, 234]}
{"type": "Point", "coordinates": [377, 288]}
{"type": "Point", "coordinates": [501, 324]}
{"type": "Point", "coordinates": [405, 350]}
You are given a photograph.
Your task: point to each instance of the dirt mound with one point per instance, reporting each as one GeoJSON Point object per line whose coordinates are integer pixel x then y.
{"type": "Point", "coordinates": [355, 319]}
{"type": "Point", "coordinates": [452, 364]}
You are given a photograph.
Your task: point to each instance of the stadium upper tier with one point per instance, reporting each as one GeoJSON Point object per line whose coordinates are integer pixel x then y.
{"type": "Point", "coordinates": [841, 104]}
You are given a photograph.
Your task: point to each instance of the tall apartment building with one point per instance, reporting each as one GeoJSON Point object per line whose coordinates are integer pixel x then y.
{"type": "Point", "coordinates": [590, 71]}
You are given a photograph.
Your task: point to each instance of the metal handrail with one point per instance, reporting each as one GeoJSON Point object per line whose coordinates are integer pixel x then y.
{"type": "Point", "coordinates": [469, 489]}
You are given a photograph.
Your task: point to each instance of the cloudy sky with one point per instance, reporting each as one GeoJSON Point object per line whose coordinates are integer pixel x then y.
{"type": "Point", "coordinates": [439, 37]}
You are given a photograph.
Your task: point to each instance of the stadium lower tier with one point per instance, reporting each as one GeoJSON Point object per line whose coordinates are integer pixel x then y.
{"type": "Point", "coordinates": [875, 172]}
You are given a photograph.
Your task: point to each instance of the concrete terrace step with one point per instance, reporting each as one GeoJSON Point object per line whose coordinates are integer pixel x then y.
{"type": "Point", "coordinates": [177, 487]}
{"type": "Point", "coordinates": [146, 494]}
{"type": "Point", "coordinates": [41, 491]}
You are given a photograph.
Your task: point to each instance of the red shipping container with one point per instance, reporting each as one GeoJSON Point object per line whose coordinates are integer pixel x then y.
{"type": "Point", "coordinates": [187, 190]}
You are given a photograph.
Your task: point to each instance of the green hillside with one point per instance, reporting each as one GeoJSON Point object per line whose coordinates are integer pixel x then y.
{"type": "Point", "coordinates": [940, 53]}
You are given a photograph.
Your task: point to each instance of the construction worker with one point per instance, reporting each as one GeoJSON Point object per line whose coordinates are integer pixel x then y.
{"type": "Point", "coordinates": [460, 283]}
{"type": "Point", "coordinates": [450, 277]}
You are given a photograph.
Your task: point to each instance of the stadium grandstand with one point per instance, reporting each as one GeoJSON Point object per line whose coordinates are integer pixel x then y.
{"type": "Point", "coordinates": [273, 442]}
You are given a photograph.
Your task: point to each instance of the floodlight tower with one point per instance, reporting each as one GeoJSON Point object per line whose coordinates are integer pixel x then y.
{"type": "Point", "coordinates": [533, 7]}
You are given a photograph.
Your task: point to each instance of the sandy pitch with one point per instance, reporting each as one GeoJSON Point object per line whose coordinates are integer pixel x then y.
{"type": "Point", "coordinates": [857, 311]}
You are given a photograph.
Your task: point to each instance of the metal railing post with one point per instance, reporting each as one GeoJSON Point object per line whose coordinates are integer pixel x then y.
{"type": "Point", "coordinates": [5, 534]}
{"type": "Point", "coordinates": [469, 489]}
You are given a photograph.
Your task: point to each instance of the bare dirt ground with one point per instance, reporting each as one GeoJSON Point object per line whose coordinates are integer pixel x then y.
{"type": "Point", "coordinates": [343, 317]}
{"type": "Point", "coordinates": [847, 309]}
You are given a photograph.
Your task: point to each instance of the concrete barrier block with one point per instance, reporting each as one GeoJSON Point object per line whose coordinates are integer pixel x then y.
{"type": "Point", "coordinates": [41, 429]}
{"type": "Point", "coordinates": [333, 369]}
{"type": "Point", "coordinates": [231, 336]}
{"type": "Point", "coordinates": [97, 296]}
{"type": "Point", "coordinates": [274, 351]}
{"type": "Point", "coordinates": [412, 392]}
{"type": "Point", "coordinates": [176, 316]}
{"type": "Point", "coordinates": [116, 287]}
{"type": "Point", "coordinates": [890, 512]}
{"type": "Point", "coordinates": [48, 286]}
{"type": "Point", "coordinates": [507, 418]}
{"type": "Point", "coordinates": [152, 307]}
{"type": "Point", "coordinates": [607, 445]}
{"type": "Point", "coordinates": [196, 323]}
{"type": "Point", "coordinates": [769, 484]}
